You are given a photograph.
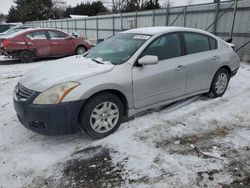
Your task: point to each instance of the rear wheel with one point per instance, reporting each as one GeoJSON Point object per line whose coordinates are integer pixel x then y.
{"type": "Point", "coordinates": [219, 84]}
{"type": "Point", "coordinates": [102, 115]}
{"type": "Point", "coordinates": [80, 50]}
{"type": "Point", "coordinates": [26, 56]}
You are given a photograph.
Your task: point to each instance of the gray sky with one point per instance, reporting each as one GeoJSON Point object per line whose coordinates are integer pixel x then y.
{"type": "Point", "coordinates": [6, 4]}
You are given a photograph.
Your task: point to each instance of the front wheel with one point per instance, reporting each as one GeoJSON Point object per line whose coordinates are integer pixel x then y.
{"type": "Point", "coordinates": [80, 50]}
{"type": "Point", "coordinates": [219, 83]}
{"type": "Point", "coordinates": [102, 115]}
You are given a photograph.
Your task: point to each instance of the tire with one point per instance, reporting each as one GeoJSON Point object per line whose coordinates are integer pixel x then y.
{"type": "Point", "coordinates": [80, 50]}
{"type": "Point", "coordinates": [26, 56]}
{"type": "Point", "coordinates": [101, 115]}
{"type": "Point", "coordinates": [219, 83]}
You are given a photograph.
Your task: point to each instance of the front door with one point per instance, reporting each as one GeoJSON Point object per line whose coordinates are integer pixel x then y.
{"type": "Point", "coordinates": [61, 45]}
{"type": "Point", "coordinates": [153, 84]}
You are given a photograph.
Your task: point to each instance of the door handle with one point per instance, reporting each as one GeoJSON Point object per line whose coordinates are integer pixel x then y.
{"type": "Point", "coordinates": [216, 57]}
{"type": "Point", "coordinates": [179, 68]}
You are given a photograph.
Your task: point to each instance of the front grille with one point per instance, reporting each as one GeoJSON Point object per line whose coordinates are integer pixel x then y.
{"type": "Point", "coordinates": [23, 93]}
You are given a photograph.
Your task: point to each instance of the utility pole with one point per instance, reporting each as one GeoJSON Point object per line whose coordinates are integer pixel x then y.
{"type": "Point", "coordinates": [119, 5]}
{"type": "Point", "coordinates": [216, 15]}
{"type": "Point", "coordinates": [233, 21]}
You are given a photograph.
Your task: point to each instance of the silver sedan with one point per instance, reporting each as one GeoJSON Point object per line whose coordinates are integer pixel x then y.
{"type": "Point", "coordinates": [131, 72]}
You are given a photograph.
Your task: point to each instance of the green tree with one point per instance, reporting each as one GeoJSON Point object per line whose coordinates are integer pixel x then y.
{"type": "Point", "coordinates": [89, 9]}
{"type": "Point", "coordinates": [134, 5]}
{"type": "Point", "coordinates": [31, 10]}
{"type": "Point", "coordinates": [152, 4]}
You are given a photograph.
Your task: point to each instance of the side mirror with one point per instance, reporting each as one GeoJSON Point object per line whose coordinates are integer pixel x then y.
{"type": "Point", "coordinates": [148, 60]}
{"type": "Point", "coordinates": [74, 34]}
{"type": "Point", "coordinates": [68, 37]}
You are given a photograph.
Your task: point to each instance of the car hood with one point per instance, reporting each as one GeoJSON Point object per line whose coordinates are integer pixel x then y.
{"type": "Point", "coordinates": [63, 70]}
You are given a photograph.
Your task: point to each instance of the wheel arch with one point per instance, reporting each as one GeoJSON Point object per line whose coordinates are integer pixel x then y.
{"type": "Point", "coordinates": [225, 67]}
{"type": "Point", "coordinates": [30, 50]}
{"type": "Point", "coordinates": [19, 55]}
{"type": "Point", "coordinates": [222, 66]}
{"type": "Point", "coordinates": [116, 92]}
{"type": "Point", "coordinates": [80, 45]}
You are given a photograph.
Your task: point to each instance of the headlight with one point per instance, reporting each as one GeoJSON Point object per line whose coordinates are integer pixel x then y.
{"type": "Point", "coordinates": [55, 94]}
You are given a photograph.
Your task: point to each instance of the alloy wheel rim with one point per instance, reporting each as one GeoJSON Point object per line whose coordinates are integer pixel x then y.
{"type": "Point", "coordinates": [27, 57]}
{"type": "Point", "coordinates": [221, 83]}
{"type": "Point", "coordinates": [80, 50]}
{"type": "Point", "coordinates": [104, 117]}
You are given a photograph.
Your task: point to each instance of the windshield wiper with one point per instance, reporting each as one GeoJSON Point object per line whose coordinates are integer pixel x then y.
{"type": "Point", "coordinates": [99, 62]}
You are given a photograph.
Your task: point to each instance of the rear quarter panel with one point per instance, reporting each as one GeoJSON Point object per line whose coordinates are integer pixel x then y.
{"type": "Point", "coordinates": [17, 43]}
{"type": "Point", "coordinates": [227, 57]}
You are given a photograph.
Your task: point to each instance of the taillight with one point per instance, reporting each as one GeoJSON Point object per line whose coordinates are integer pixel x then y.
{"type": "Point", "coordinates": [6, 43]}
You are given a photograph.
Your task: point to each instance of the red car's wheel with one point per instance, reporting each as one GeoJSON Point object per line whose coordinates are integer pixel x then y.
{"type": "Point", "coordinates": [26, 56]}
{"type": "Point", "coordinates": [80, 50]}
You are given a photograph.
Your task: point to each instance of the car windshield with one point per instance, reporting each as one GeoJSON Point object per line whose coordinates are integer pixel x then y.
{"type": "Point", "coordinates": [118, 48]}
{"type": "Point", "coordinates": [4, 28]}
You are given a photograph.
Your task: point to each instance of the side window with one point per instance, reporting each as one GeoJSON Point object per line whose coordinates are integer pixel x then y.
{"type": "Point", "coordinates": [56, 35]}
{"type": "Point", "coordinates": [213, 43]}
{"type": "Point", "coordinates": [37, 35]}
{"type": "Point", "coordinates": [165, 47]}
{"type": "Point", "coordinates": [196, 43]}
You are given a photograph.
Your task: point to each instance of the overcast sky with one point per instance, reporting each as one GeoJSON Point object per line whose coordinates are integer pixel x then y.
{"type": "Point", "coordinates": [6, 4]}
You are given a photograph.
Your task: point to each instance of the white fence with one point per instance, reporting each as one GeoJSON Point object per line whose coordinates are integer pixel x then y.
{"type": "Point", "coordinates": [224, 19]}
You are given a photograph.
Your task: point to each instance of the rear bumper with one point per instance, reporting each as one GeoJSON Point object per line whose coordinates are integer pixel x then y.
{"type": "Point", "coordinates": [1, 51]}
{"type": "Point", "coordinates": [4, 52]}
{"type": "Point", "coordinates": [58, 119]}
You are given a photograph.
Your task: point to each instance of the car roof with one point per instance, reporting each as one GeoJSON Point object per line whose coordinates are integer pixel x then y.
{"type": "Point", "coordinates": [163, 29]}
{"type": "Point", "coordinates": [47, 29]}
{"type": "Point", "coordinates": [17, 33]}
{"type": "Point", "coordinates": [28, 30]}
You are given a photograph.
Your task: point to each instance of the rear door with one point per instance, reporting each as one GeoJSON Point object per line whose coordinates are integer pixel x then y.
{"type": "Point", "coordinates": [38, 42]}
{"type": "Point", "coordinates": [61, 44]}
{"type": "Point", "coordinates": [199, 61]}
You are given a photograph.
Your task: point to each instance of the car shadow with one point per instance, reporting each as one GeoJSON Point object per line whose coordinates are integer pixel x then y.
{"type": "Point", "coordinates": [168, 108]}
{"type": "Point", "coordinates": [9, 62]}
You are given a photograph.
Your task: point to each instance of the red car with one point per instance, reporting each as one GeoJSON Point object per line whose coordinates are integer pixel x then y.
{"type": "Point", "coordinates": [30, 44]}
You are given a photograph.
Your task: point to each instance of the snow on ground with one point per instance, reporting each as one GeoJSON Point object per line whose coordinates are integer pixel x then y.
{"type": "Point", "coordinates": [198, 142]}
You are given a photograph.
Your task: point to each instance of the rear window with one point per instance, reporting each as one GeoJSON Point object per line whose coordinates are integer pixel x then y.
{"type": "Point", "coordinates": [37, 35]}
{"type": "Point", "coordinates": [196, 43]}
{"type": "Point", "coordinates": [213, 43]}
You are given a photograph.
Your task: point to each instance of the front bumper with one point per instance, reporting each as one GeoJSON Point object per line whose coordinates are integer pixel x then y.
{"type": "Point", "coordinates": [58, 119]}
